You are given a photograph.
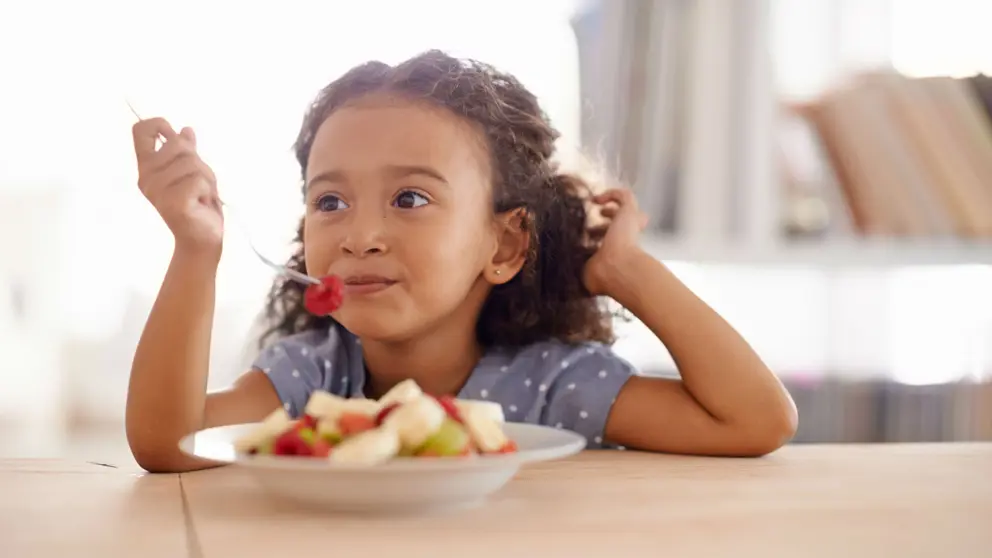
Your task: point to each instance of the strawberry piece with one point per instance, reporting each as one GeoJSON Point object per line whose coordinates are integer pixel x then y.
{"type": "Point", "coordinates": [355, 423]}
{"type": "Point", "coordinates": [320, 448]}
{"type": "Point", "coordinates": [308, 422]}
{"type": "Point", "coordinates": [379, 418]}
{"type": "Point", "coordinates": [322, 299]}
{"type": "Point", "coordinates": [290, 443]}
{"type": "Point", "coordinates": [509, 447]}
{"type": "Point", "coordinates": [447, 403]}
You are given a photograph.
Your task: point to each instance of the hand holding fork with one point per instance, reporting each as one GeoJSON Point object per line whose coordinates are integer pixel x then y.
{"type": "Point", "coordinates": [183, 189]}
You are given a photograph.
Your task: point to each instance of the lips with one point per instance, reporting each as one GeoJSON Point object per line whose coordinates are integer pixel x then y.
{"type": "Point", "coordinates": [357, 285]}
{"type": "Point", "coordinates": [368, 280]}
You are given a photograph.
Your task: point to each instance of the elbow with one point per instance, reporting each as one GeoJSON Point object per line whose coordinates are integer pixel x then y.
{"type": "Point", "coordinates": [776, 430]}
{"type": "Point", "coordinates": [156, 456]}
{"type": "Point", "coordinates": [155, 459]}
{"type": "Point", "coordinates": [157, 463]}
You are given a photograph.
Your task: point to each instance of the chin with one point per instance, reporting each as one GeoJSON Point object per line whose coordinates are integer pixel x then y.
{"type": "Point", "coordinates": [378, 326]}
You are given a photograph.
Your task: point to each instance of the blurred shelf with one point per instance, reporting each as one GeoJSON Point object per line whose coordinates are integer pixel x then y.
{"type": "Point", "coordinates": [825, 253]}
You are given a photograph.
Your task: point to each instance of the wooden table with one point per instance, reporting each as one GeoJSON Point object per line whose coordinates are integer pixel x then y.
{"type": "Point", "coordinates": [836, 501]}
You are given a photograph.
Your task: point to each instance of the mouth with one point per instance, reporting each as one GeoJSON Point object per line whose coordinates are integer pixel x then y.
{"type": "Point", "coordinates": [366, 284]}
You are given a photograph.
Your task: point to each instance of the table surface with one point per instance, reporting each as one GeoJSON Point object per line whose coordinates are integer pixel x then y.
{"type": "Point", "coordinates": [825, 500]}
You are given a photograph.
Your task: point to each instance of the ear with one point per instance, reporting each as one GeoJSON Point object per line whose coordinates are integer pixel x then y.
{"type": "Point", "coordinates": [512, 230]}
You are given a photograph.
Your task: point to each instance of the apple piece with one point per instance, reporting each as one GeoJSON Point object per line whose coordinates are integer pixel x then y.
{"type": "Point", "coordinates": [351, 424]}
{"type": "Point", "coordinates": [371, 447]}
{"type": "Point", "coordinates": [307, 435]}
{"type": "Point", "coordinates": [451, 439]}
{"type": "Point", "coordinates": [487, 433]}
{"type": "Point", "coordinates": [324, 405]}
{"type": "Point", "coordinates": [416, 420]}
{"type": "Point", "coordinates": [327, 430]}
{"type": "Point", "coordinates": [450, 407]}
{"type": "Point", "coordinates": [381, 417]}
{"type": "Point", "coordinates": [363, 406]}
{"type": "Point", "coordinates": [263, 449]}
{"type": "Point", "coordinates": [493, 410]}
{"type": "Point", "coordinates": [270, 428]}
{"type": "Point", "coordinates": [328, 408]}
{"type": "Point", "coordinates": [309, 421]}
{"type": "Point", "coordinates": [403, 392]}
{"type": "Point", "coordinates": [266, 448]}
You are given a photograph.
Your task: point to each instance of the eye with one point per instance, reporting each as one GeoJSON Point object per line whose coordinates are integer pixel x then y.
{"type": "Point", "coordinates": [328, 203]}
{"type": "Point", "coordinates": [408, 199]}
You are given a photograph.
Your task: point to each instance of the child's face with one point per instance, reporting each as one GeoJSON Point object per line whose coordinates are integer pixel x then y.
{"type": "Point", "coordinates": [399, 205]}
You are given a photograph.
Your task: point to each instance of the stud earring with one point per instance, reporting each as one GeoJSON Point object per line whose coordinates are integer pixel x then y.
{"type": "Point", "coordinates": [498, 271]}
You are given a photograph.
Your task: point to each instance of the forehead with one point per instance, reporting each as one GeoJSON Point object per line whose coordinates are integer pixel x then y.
{"type": "Point", "coordinates": [377, 132]}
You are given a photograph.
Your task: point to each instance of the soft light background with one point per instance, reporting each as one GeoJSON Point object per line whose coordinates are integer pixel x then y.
{"type": "Point", "coordinates": [83, 253]}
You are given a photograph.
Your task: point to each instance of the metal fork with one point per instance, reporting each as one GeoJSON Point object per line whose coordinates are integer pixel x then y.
{"type": "Point", "coordinates": [283, 270]}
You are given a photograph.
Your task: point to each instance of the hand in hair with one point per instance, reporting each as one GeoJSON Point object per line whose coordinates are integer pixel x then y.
{"type": "Point", "coordinates": [617, 237]}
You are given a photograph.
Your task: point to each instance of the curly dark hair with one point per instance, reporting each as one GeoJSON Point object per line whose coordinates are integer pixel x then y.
{"type": "Point", "coordinates": [547, 299]}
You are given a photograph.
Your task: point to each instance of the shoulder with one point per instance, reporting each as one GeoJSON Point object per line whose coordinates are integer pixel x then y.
{"type": "Point", "coordinates": [556, 360]}
{"type": "Point", "coordinates": [312, 345]}
{"type": "Point", "coordinates": [558, 384]}
{"type": "Point", "coordinates": [299, 364]}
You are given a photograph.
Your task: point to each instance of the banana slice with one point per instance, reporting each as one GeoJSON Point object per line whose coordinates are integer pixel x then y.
{"type": "Point", "coordinates": [272, 426]}
{"type": "Point", "coordinates": [368, 448]}
{"type": "Point", "coordinates": [403, 392]}
{"type": "Point", "coordinates": [416, 420]}
{"type": "Point", "coordinates": [323, 404]}
{"type": "Point", "coordinates": [326, 406]}
{"type": "Point", "coordinates": [487, 408]}
{"type": "Point", "coordinates": [487, 433]}
{"type": "Point", "coordinates": [364, 406]}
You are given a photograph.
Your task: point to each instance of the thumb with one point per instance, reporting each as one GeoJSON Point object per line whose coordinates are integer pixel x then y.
{"type": "Point", "coordinates": [189, 135]}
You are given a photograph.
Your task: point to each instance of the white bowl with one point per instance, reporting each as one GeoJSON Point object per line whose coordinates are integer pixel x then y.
{"type": "Point", "coordinates": [402, 485]}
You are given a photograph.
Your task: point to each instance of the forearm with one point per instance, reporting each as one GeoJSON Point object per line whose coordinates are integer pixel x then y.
{"type": "Point", "coordinates": [167, 391]}
{"type": "Point", "coordinates": [718, 367]}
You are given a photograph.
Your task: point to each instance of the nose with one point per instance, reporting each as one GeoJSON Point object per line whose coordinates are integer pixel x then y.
{"type": "Point", "coordinates": [366, 234]}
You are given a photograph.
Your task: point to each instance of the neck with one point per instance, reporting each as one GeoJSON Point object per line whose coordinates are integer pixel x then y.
{"type": "Point", "coordinates": [440, 361]}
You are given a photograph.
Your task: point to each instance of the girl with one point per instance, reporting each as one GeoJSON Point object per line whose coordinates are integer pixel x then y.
{"type": "Point", "coordinates": [468, 267]}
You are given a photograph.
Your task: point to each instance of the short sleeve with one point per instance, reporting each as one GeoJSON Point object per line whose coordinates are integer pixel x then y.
{"type": "Point", "coordinates": [583, 393]}
{"type": "Point", "coordinates": [295, 370]}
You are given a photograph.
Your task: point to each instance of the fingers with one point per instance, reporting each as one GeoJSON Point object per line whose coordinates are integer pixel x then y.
{"type": "Point", "coordinates": [620, 201]}
{"type": "Point", "coordinates": [597, 232]}
{"type": "Point", "coordinates": [181, 169]}
{"type": "Point", "coordinates": [145, 133]}
{"type": "Point", "coordinates": [188, 134]}
{"type": "Point", "coordinates": [617, 207]}
{"type": "Point", "coordinates": [619, 196]}
{"type": "Point", "coordinates": [177, 166]}
{"type": "Point", "coordinates": [174, 149]}
{"type": "Point", "coordinates": [609, 211]}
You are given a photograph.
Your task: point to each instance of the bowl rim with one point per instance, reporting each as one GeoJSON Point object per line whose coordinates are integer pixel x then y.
{"type": "Point", "coordinates": [563, 443]}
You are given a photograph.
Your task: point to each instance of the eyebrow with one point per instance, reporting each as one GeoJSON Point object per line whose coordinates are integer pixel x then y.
{"type": "Point", "coordinates": [393, 171]}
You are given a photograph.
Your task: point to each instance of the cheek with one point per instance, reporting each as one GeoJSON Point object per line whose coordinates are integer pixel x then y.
{"type": "Point", "coordinates": [451, 251]}
{"type": "Point", "coordinates": [315, 244]}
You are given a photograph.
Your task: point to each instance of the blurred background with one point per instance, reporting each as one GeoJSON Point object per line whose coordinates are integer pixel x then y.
{"type": "Point", "coordinates": [820, 171]}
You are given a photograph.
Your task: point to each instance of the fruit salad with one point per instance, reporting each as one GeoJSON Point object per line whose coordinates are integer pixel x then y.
{"type": "Point", "coordinates": [404, 423]}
